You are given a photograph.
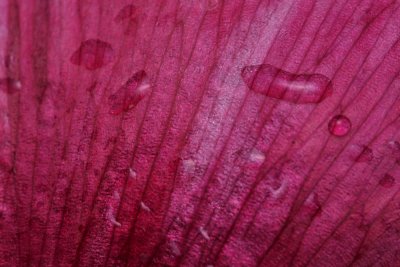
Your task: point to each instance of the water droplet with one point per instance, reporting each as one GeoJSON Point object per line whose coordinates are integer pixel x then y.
{"type": "Point", "coordinates": [127, 19]}
{"type": "Point", "coordinates": [93, 54]}
{"type": "Point", "coordinates": [3, 208]}
{"type": "Point", "coordinates": [257, 156]}
{"type": "Point", "coordinates": [91, 88]}
{"type": "Point", "coordinates": [277, 83]}
{"type": "Point", "coordinates": [366, 155]}
{"type": "Point", "coordinates": [125, 13]}
{"type": "Point", "coordinates": [174, 248]}
{"type": "Point", "coordinates": [313, 204]}
{"type": "Point", "coordinates": [189, 165]}
{"type": "Point", "coordinates": [277, 192]}
{"type": "Point", "coordinates": [312, 199]}
{"type": "Point", "coordinates": [339, 125]}
{"type": "Point", "coordinates": [130, 94]}
{"type": "Point", "coordinates": [212, 4]}
{"type": "Point", "coordinates": [132, 173]}
{"type": "Point", "coordinates": [110, 216]}
{"type": "Point", "coordinates": [131, 27]}
{"type": "Point", "coordinates": [204, 233]}
{"type": "Point", "coordinates": [387, 181]}
{"type": "Point", "coordinates": [394, 146]}
{"type": "Point", "coordinates": [116, 223]}
{"type": "Point", "coordinates": [145, 207]}
{"type": "Point", "coordinates": [9, 85]}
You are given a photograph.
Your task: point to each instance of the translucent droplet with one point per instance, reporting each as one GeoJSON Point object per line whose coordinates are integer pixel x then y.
{"type": "Point", "coordinates": [130, 94]}
{"type": "Point", "coordinates": [175, 249]}
{"type": "Point", "coordinates": [277, 83]}
{"type": "Point", "coordinates": [387, 181]}
{"type": "Point", "coordinates": [145, 207]}
{"type": "Point", "coordinates": [366, 155]}
{"type": "Point", "coordinates": [313, 204]}
{"type": "Point", "coordinates": [212, 4]}
{"type": "Point", "coordinates": [189, 165]}
{"type": "Point", "coordinates": [9, 85]}
{"type": "Point", "coordinates": [125, 13]}
{"type": "Point", "coordinates": [132, 173]}
{"type": "Point", "coordinates": [256, 156]}
{"type": "Point", "coordinates": [204, 233]}
{"type": "Point", "coordinates": [312, 200]}
{"type": "Point", "coordinates": [339, 125]}
{"type": "Point", "coordinates": [127, 19]}
{"type": "Point", "coordinates": [394, 146]}
{"type": "Point", "coordinates": [110, 216]}
{"type": "Point", "coordinates": [131, 26]}
{"type": "Point", "coordinates": [93, 54]}
{"type": "Point", "coordinates": [278, 191]}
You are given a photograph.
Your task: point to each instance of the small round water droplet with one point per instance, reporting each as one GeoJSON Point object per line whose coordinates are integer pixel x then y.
{"type": "Point", "coordinates": [9, 85]}
{"type": "Point", "coordinates": [339, 125]}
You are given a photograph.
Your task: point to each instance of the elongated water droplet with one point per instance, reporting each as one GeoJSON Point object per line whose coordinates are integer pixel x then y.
{"type": "Point", "coordinates": [125, 13]}
{"type": "Point", "coordinates": [145, 207]}
{"type": "Point", "coordinates": [110, 216]}
{"type": "Point", "coordinates": [93, 54]}
{"type": "Point", "coordinates": [277, 83]}
{"type": "Point", "coordinates": [366, 155]}
{"type": "Point", "coordinates": [204, 233]}
{"type": "Point", "coordinates": [339, 125]}
{"type": "Point", "coordinates": [130, 94]}
{"type": "Point", "coordinates": [387, 181]}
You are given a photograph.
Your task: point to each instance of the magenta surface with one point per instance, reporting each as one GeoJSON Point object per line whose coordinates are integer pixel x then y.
{"type": "Point", "coordinates": [200, 133]}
